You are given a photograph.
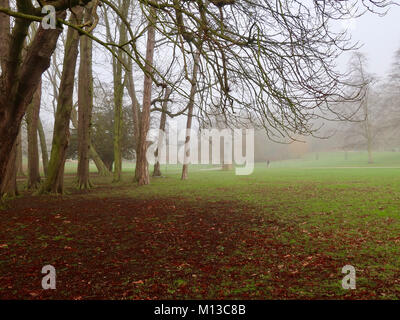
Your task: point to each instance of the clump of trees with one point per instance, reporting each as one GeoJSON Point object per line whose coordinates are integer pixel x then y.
{"type": "Point", "coordinates": [271, 64]}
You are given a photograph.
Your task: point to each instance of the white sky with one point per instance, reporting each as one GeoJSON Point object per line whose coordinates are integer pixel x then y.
{"type": "Point", "coordinates": [379, 36]}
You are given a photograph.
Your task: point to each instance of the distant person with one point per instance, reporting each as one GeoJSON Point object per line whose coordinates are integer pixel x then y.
{"type": "Point", "coordinates": [267, 163]}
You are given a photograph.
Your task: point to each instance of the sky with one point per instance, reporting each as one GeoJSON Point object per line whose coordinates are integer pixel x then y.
{"type": "Point", "coordinates": [379, 37]}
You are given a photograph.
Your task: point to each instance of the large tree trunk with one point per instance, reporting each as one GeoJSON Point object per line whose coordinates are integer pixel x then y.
{"type": "Point", "coordinates": [185, 167]}
{"type": "Point", "coordinates": [85, 106]}
{"type": "Point", "coordinates": [8, 149]}
{"type": "Point", "coordinates": [55, 178]}
{"type": "Point", "coordinates": [163, 120]}
{"type": "Point", "coordinates": [9, 187]}
{"type": "Point", "coordinates": [32, 118]}
{"type": "Point", "coordinates": [4, 34]}
{"type": "Point", "coordinates": [19, 79]}
{"type": "Point", "coordinates": [142, 166]}
{"type": "Point", "coordinates": [43, 147]}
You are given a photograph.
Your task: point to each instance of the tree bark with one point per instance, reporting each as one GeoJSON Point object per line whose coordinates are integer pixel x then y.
{"type": "Point", "coordinates": [118, 96]}
{"type": "Point", "coordinates": [130, 85]}
{"type": "Point", "coordinates": [8, 149]}
{"type": "Point", "coordinates": [20, 168]}
{"type": "Point", "coordinates": [9, 187]}
{"type": "Point", "coordinates": [163, 120]}
{"type": "Point", "coordinates": [185, 167]}
{"type": "Point", "coordinates": [100, 165]}
{"type": "Point", "coordinates": [43, 147]}
{"type": "Point", "coordinates": [55, 179]}
{"type": "Point", "coordinates": [18, 81]}
{"type": "Point", "coordinates": [4, 34]}
{"type": "Point", "coordinates": [32, 118]}
{"type": "Point", "coordinates": [85, 106]}
{"type": "Point", "coordinates": [118, 121]}
{"type": "Point", "coordinates": [142, 166]}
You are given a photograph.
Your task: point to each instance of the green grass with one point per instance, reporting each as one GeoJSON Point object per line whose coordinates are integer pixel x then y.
{"type": "Point", "coordinates": [313, 208]}
{"type": "Point", "coordinates": [349, 215]}
{"type": "Point", "coordinates": [342, 159]}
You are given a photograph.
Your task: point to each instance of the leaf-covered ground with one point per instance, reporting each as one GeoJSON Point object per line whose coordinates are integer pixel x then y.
{"type": "Point", "coordinates": [278, 234]}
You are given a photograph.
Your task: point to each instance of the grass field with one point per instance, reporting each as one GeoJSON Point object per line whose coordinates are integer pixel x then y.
{"type": "Point", "coordinates": [284, 232]}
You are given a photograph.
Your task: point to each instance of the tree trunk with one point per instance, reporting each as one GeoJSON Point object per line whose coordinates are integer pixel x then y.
{"type": "Point", "coordinates": [19, 79]}
{"type": "Point", "coordinates": [130, 85]}
{"type": "Point", "coordinates": [118, 96]}
{"type": "Point", "coordinates": [85, 106]}
{"type": "Point", "coordinates": [368, 133]}
{"type": "Point", "coordinates": [9, 187]}
{"type": "Point", "coordinates": [142, 166]}
{"type": "Point", "coordinates": [32, 117]}
{"type": "Point", "coordinates": [185, 167]}
{"type": "Point", "coordinates": [20, 168]}
{"type": "Point", "coordinates": [54, 180]}
{"type": "Point", "coordinates": [163, 120]}
{"type": "Point", "coordinates": [100, 165]}
{"type": "Point", "coordinates": [227, 166]}
{"type": "Point", "coordinates": [43, 147]}
{"type": "Point", "coordinates": [370, 158]}
{"type": "Point", "coordinates": [8, 152]}
{"type": "Point", "coordinates": [4, 34]}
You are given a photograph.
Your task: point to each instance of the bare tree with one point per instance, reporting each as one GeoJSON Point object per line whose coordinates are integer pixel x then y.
{"type": "Point", "coordinates": [190, 107]}
{"type": "Point", "coordinates": [55, 178]}
{"type": "Point", "coordinates": [43, 147]}
{"type": "Point", "coordinates": [163, 121]}
{"type": "Point", "coordinates": [32, 119]}
{"type": "Point", "coordinates": [85, 106]}
{"type": "Point", "coordinates": [142, 166]}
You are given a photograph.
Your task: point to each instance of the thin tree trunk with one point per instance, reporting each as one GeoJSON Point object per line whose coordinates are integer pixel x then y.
{"type": "Point", "coordinates": [32, 118]}
{"type": "Point", "coordinates": [85, 106]}
{"type": "Point", "coordinates": [142, 166]}
{"type": "Point", "coordinates": [20, 168]}
{"type": "Point", "coordinates": [368, 132]}
{"type": "Point", "coordinates": [370, 158]}
{"type": "Point", "coordinates": [163, 120]}
{"type": "Point", "coordinates": [100, 165]}
{"type": "Point", "coordinates": [43, 147]}
{"type": "Point", "coordinates": [54, 180]}
{"type": "Point", "coordinates": [185, 167]}
{"type": "Point", "coordinates": [118, 121]}
{"type": "Point", "coordinates": [130, 85]}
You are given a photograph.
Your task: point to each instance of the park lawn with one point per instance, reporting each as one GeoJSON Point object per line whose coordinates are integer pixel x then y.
{"type": "Point", "coordinates": [280, 233]}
